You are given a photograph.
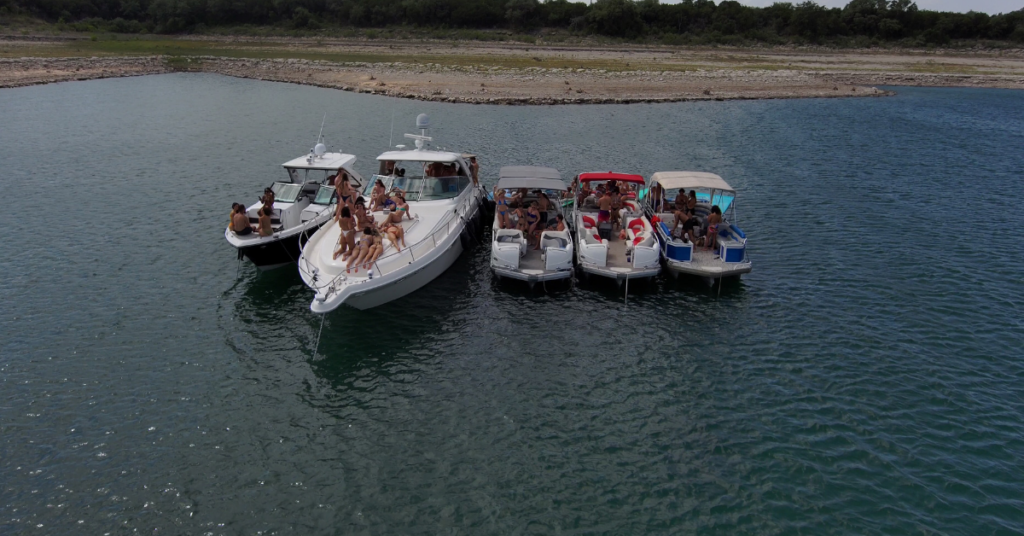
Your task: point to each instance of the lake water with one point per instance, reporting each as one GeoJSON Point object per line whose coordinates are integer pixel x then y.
{"type": "Point", "coordinates": [866, 378]}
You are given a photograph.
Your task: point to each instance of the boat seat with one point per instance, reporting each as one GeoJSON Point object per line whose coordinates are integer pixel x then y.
{"type": "Point", "coordinates": [554, 242]}
{"type": "Point", "coordinates": [512, 236]}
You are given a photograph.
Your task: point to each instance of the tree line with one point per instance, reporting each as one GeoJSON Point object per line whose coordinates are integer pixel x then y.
{"type": "Point", "coordinates": [863, 21]}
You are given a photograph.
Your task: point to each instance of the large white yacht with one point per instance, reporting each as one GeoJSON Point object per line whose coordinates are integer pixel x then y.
{"type": "Point", "coordinates": [302, 204]}
{"type": "Point", "coordinates": [443, 202]}
{"type": "Point", "coordinates": [512, 255]}
{"type": "Point", "coordinates": [689, 247]}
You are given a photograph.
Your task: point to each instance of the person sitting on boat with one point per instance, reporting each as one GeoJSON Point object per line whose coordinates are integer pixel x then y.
{"type": "Point", "coordinates": [558, 224]}
{"type": "Point", "coordinates": [346, 240]}
{"type": "Point", "coordinates": [681, 202]}
{"type": "Point", "coordinates": [402, 208]}
{"type": "Point", "coordinates": [501, 208]}
{"type": "Point", "coordinates": [240, 221]}
{"type": "Point", "coordinates": [231, 215]}
{"type": "Point", "coordinates": [378, 196]}
{"type": "Point", "coordinates": [362, 249]}
{"type": "Point", "coordinates": [266, 229]}
{"type": "Point", "coordinates": [389, 167]}
{"type": "Point", "coordinates": [585, 192]}
{"type": "Point", "coordinates": [268, 198]}
{"type": "Point", "coordinates": [714, 219]}
{"type": "Point", "coordinates": [376, 249]}
{"type": "Point", "coordinates": [605, 208]}
{"type": "Point", "coordinates": [363, 217]}
{"type": "Point", "coordinates": [394, 231]}
{"type": "Point", "coordinates": [685, 219]}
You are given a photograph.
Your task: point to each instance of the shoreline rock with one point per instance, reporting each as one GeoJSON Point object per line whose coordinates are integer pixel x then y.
{"type": "Point", "coordinates": [469, 84]}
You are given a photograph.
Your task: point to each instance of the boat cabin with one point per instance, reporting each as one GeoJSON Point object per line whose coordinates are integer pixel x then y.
{"type": "Point", "coordinates": [308, 190]}
{"type": "Point", "coordinates": [422, 175]}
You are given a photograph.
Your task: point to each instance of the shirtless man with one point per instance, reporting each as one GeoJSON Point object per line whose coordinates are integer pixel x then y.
{"type": "Point", "coordinates": [240, 221]}
{"type": "Point", "coordinates": [605, 206]}
{"type": "Point", "coordinates": [616, 206]}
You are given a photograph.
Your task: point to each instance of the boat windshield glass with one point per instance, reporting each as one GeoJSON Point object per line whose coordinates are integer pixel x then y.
{"type": "Point", "coordinates": [721, 198]}
{"type": "Point", "coordinates": [418, 186]}
{"type": "Point", "coordinates": [286, 193]}
{"type": "Point", "coordinates": [324, 195]}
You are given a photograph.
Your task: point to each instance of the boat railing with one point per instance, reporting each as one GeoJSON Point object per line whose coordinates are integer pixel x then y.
{"type": "Point", "coordinates": [392, 262]}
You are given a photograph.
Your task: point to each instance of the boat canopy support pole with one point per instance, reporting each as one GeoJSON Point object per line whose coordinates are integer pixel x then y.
{"type": "Point", "coordinates": [626, 297]}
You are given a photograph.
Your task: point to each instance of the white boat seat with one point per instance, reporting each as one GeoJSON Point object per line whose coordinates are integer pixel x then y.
{"type": "Point", "coordinates": [512, 236]}
{"type": "Point", "coordinates": [554, 242]}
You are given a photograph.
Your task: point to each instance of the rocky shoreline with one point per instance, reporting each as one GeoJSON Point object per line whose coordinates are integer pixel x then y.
{"type": "Point", "coordinates": [499, 85]}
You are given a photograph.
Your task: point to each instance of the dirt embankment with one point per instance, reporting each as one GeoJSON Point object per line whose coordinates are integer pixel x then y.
{"type": "Point", "coordinates": [547, 75]}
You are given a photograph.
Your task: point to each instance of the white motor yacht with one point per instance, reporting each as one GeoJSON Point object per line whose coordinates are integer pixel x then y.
{"type": "Point", "coordinates": [442, 203]}
{"type": "Point", "coordinates": [630, 253]}
{"type": "Point", "coordinates": [302, 204]}
{"type": "Point", "coordinates": [511, 254]}
{"type": "Point", "coordinates": [683, 245]}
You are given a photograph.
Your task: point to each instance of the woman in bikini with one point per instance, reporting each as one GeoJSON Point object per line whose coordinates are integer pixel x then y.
{"type": "Point", "coordinates": [714, 219]}
{"type": "Point", "coordinates": [532, 219]}
{"type": "Point", "coordinates": [345, 192]}
{"type": "Point", "coordinates": [268, 198]}
{"type": "Point", "coordinates": [378, 196]}
{"type": "Point", "coordinates": [362, 250]}
{"type": "Point", "coordinates": [501, 208]}
{"type": "Point", "coordinates": [692, 202]}
{"type": "Point", "coordinates": [391, 226]}
{"type": "Point", "coordinates": [346, 240]}
{"type": "Point", "coordinates": [376, 249]}
{"type": "Point", "coordinates": [266, 228]}
{"type": "Point", "coordinates": [363, 218]}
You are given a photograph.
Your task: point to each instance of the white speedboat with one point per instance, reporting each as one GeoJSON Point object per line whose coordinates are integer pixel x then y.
{"type": "Point", "coordinates": [682, 255]}
{"type": "Point", "coordinates": [442, 205]}
{"type": "Point", "coordinates": [604, 251]}
{"type": "Point", "coordinates": [511, 255]}
{"type": "Point", "coordinates": [302, 204]}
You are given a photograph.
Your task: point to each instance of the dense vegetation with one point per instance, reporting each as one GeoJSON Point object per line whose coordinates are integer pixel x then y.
{"type": "Point", "coordinates": [861, 22]}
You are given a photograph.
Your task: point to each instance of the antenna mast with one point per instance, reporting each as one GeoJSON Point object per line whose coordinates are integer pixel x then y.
{"type": "Point", "coordinates": [392, 138]}
{"type": "Point", "coordinates": [321, 136]}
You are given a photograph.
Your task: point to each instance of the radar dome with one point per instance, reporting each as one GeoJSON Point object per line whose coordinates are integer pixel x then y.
{"type": "Point", "coordinates": [422, 121]}
{"type": "Point", "coordinates": [320, 149]}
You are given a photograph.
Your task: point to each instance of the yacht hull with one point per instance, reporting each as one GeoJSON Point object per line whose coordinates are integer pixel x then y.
{"type": "Point", "coordinates": [388, 291]}
{"type": "Point", "coordinates": [271, 254]}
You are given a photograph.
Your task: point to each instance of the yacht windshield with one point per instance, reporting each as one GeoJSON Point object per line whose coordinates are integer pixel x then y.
{"type": "Point", "coordinates": [324, 195]}
{"type": "Point", "coordinates": [424, 181]}
{"type": "Point", "coordinates": [286, 193]}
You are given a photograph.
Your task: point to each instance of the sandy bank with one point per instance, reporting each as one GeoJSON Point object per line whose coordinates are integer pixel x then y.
{"type": "Point", "coordinates": [549, 75]}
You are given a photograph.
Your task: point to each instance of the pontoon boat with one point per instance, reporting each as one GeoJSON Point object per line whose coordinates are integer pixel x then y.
{"type": "Point", "coordinates": [728, 255]}
{"type": "Point", "coordinates": [601, 248]}
{"type": "Point", "coordinates": [512, 255]}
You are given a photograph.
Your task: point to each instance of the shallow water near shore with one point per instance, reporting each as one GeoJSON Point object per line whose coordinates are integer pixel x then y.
{"type": "Point", "coordinates": [865, 378]}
